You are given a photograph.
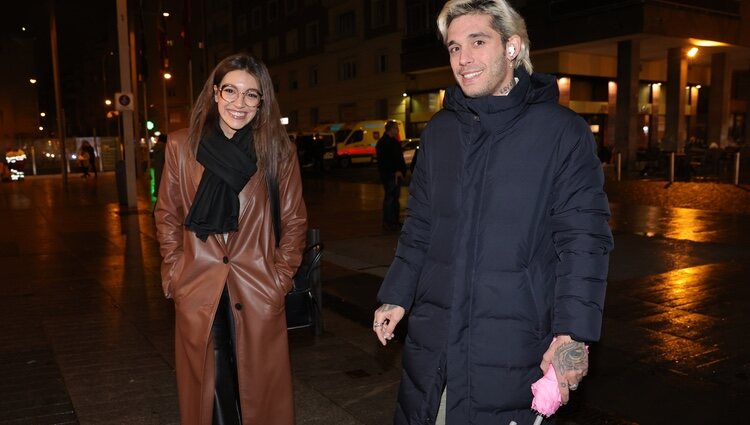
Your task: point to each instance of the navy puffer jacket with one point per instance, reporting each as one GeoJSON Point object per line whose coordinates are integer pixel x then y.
{"type": "Point", "coordinates": [506, 243]}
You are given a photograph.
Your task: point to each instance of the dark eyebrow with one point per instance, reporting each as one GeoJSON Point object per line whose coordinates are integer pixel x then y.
{"type": "Point", "coordinates": [478, 35]}
{"type": "Point", "coordinates": [472, 35]}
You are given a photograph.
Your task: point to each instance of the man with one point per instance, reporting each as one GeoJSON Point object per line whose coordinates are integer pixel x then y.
{"type": "Point", "coordinates": [392, 168]}
{"type": "Point", "coordinates": [506, 241]}
{"type": "Point", "coordinates": [86, 146]}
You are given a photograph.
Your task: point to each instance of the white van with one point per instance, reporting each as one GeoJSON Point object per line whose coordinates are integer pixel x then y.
{"type": "Point", "coordinates": [355, 141]}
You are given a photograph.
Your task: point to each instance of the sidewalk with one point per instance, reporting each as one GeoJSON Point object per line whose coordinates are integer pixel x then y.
{"type": "Point", "coordinates": [88, 337]}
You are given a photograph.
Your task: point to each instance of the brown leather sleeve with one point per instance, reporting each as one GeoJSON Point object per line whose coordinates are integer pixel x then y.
{"type": "Point", "coordinates": [170, 213]}
{"type": "Point", "coordinates": [293, 220]}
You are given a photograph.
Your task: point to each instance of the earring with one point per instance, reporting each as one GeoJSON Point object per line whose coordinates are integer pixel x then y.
{"type": "Point", "coordinates": [511, 51]}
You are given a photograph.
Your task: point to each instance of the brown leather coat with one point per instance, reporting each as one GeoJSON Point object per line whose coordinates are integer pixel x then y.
{"type": "Point", "coordinates": [258, 275]}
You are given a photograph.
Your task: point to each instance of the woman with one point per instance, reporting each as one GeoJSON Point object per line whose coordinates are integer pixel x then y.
{"type": "Point", "coordinates": [222, 266]}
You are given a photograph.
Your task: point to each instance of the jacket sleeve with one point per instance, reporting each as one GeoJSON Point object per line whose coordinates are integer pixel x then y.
{"type": "Point", "coordinates": [399, 286]}
{"type": "Point", "coordinates": [170, 215]}
{"type": "Point", "coordinates": [293, 221]}
{"type": "Point", "coordinates": [581, 235]}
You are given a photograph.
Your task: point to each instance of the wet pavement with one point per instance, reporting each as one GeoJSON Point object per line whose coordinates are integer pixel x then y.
{"type": "Point", "coordinates": [88, 338]}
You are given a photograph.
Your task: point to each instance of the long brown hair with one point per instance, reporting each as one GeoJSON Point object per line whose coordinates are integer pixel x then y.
{"type": "Point", "coordinates": [271, 142]}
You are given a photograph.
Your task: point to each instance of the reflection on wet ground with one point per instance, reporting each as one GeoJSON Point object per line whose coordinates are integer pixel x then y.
{"type": "Point", "coordinates": [681, 224]}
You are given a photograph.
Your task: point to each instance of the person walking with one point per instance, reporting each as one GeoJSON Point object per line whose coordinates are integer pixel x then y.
{"type": "Point", "coordinates": [222, 265]}
{"type": "Point", "coordinates": [392, 170]}
{"type": "Point", "coordinates": [503, 258]}
{"type": "Point", "coordinates": [86, 146]}
{"type": "Point", "coordinates": [84, 160]}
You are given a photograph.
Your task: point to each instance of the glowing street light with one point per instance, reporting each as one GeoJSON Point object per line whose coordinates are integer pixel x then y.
{"type": "Point", "coordinates": [42, 114]}
{"type": "Point", "coordinates": [692, 52]}
{"type": "Point", "coordinates": [165, 14]}
{"type": "Point", "coordinates": [167, 75]}
{"type": "Point", "coordinates": [32, 80]}
{"type": "Point", "coordinates": [107, 102]}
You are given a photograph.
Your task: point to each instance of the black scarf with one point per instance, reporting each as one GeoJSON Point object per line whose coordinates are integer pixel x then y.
{"type": "Point", "coordinates": [229, 165]}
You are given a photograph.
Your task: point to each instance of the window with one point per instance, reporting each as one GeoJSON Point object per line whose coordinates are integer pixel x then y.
{"type": "Point", "coordinates": [347, 70]}
{"type": "Point", "coordinates": [379, 13]}
{"type": "Point", "coordinates": [242, 24]}
{"type": "Point", "coordinates": [275, 81]}
{"type": "Point", "coordinates": [346, 25]}
{"type": "Point", "coordinates": [314, 116]}
{"type": "Point", "coordinates": [381, 63]}
{"type": "Point", "coordinates": [273, 47]}
{"type": "Point", "coordinates": [291, 6]}
{"type": "Point", "coordinates": [293, 83]}
{"type": "Point", "coordinates": [175, 117]}
{"type": "Point", "coordinates": [292, 43]}
{"type": "Point", "coordinates": [313, 76]}
{"type": "Point", "coordinates": [273, 10]}
{"type": "Point", "coordinates": [312, 35]}
{"type": "Point", "coordinates": [256, 18]}
{"type": "Point", "coordinates": [417, 17]}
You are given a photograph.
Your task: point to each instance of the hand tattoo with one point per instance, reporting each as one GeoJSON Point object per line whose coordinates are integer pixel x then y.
{"type": "Point", "coordinates": [387, 307]}
{"type": "Point", "coordinates": [571, 356]}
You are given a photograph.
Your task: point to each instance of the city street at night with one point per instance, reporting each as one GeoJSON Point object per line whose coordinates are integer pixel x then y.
{"type": "Point", "coordinates": [88, 337]}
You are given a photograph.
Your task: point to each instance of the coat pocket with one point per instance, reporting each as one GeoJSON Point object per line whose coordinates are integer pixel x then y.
{"type": "Point", "coordinates": [170, 278]}
{"type": "Point", "coordinates": [278, 294]}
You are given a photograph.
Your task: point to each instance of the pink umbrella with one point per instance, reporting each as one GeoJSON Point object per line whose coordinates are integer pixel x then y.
{"type": "Point", "coordinates": [547, 398]}
{"type": "Point", "coordinates": [546, 390]}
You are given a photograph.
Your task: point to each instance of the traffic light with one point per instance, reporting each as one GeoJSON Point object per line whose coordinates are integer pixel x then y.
{"type": "Point", "coordinates": [150, 125]}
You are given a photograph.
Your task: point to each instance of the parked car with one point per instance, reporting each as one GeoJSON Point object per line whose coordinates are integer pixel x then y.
{"type": "Point", "coordinates": [314, 149]}
{"type": "Point", "coordinates": [355, 141]}
{"type": "Point", "coordinates": [410, 148]}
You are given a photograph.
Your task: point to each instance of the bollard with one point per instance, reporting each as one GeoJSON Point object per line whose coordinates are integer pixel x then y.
{"type": "Point", "coordinates": [33, 159]}
{"type": "Point", "coordinates": [737, 169]}
{"type": "Point", "coordinates": [671, 167]}
{"type": "Point", "coordinates": [619, 166]}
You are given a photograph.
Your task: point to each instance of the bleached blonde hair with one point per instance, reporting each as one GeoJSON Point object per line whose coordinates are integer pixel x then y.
{"type": "Point", "coordinates": [505, 20]}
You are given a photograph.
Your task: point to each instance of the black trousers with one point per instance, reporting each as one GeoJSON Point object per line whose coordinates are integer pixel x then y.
{"type": "Point", "coordinates": [226, 391]}
{"type": "Point", "coordinates": [391, 205]}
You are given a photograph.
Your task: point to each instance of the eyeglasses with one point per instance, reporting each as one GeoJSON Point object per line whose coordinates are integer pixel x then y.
{"type": "Point", "coordinates": [251, 97]}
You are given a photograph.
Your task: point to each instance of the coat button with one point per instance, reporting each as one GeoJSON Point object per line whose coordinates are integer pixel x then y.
{"type": "Point", "coordinates": [238, 306]}
{"type": "Point", "coordinates": [225, 259]}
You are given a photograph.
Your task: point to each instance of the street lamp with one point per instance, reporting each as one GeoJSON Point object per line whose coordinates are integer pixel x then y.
{"type": "Point", "coordinates": [32, 80]}
{"type": "Point", "coordinates": [107, 102]}
{"type": "Point", "coordinates": [167, 76]}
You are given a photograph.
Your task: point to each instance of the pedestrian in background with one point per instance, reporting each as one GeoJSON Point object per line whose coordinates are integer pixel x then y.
{"type": "Point", "coordinates": [392, 170]}
{"type": "Point", "coordinates": [222, 265]}
{"type": "Point", "coordinates": [157, 160]}
{"type": "Point", "coordinates": [506, 242]}
{"type": "Point", "coordinates": [83, 159]}
{"type": "Point", "coordinates": [86, 146]}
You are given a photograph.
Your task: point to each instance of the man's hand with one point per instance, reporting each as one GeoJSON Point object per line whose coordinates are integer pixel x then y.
{"type": "Point", "coordinates": [399, 177]}
{"type": "Point", "coordinates": [386, 319]}
{"type": "Point", "coordinates": [571, 361]}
